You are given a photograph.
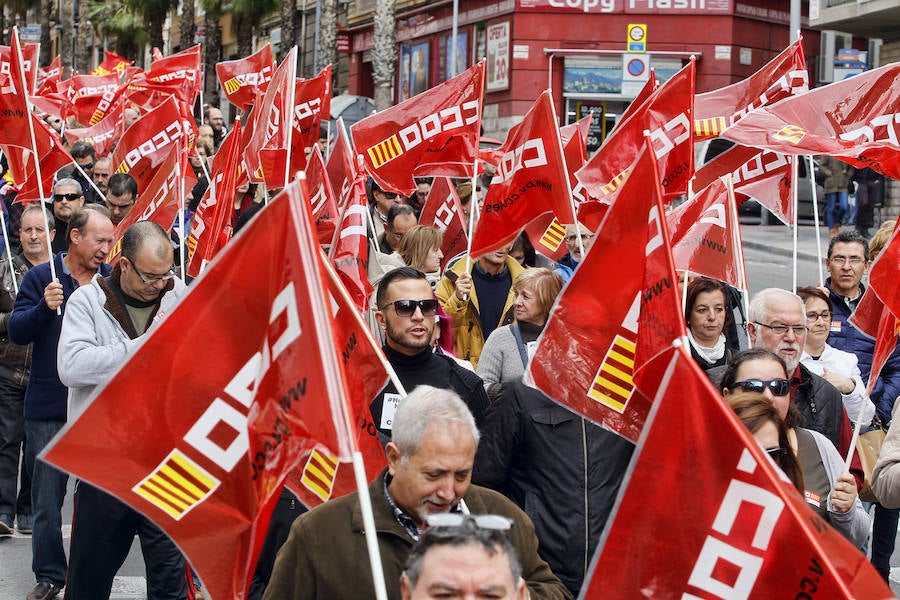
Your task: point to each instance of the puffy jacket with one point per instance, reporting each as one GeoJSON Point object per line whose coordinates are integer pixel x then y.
{"type": "Point", "coordinates": [468, 337]}
{"type": "Point", "coordinates": [561, 469]}
{"type": "Point", "coordinates": [848, 338]}
{"type": "Point", "coordinates": [15, 359]}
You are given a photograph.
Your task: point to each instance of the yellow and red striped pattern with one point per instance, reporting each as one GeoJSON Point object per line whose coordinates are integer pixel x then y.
{"type": "Point", "coordinates": [385, 151]}
{"type": "Point", "coordinates": [790, 133]}
{"type": "Point", "coordinates": [554, 235]}
{"type": "Point", "coordinates": [616, 182]}
{"type": "Point", "coordinates": [232, 85]}
{"type": "Point", "coordinates": [709, 127]}
{"type": "Point", "coordinates": [613, 383]}
{"type": "Point", "coordinates": [319, 474]}
{"type": "Point", "coordinates": [177, 485]}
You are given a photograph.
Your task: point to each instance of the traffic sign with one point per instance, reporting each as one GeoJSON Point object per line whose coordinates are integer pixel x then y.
{"type": "Point", "coordinates": [637, 38]}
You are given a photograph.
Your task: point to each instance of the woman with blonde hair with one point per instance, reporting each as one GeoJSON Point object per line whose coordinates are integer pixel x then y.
{"type": "Point", "coordinates": [508, 348]}
{"type": "Point", "coordinates": [420, 248]}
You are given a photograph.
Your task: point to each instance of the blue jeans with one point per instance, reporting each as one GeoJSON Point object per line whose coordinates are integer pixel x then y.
{"type": "Point", "coordinates": [833, 217]}
{"type": "Point", "coordinates": [48, 491]}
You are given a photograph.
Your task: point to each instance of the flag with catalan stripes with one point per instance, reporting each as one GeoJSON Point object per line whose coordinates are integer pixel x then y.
{"type": "Point", "coordinates": [177, 485]}
{"type": "Point", "coordinates": [432, 134]}
{"type": "Point", "coordinates": [245, 77]}
{"type": "Point", "coordinates": [598, 339]}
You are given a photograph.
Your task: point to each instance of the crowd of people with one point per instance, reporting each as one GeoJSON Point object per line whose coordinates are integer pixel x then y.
{"type": "Point", "coordinates": [486, 475]}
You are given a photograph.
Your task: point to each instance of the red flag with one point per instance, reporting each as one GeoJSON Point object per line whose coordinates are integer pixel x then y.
{"type": "Point", "coordinates": [323, 477]}
{"type": "Point", "coordinates": [267, 147]}
{"type": "Point", "coordinates": [531, 180]}
{"type": "Point", "coordinates": [147, 142]}
{"type": "Point", "coordinates": [341, 165]}
{"type": "Point", "coordinates": [180, 74]}
{"type": "Point", "coordinates": [783, 76]}
{"type": "Point", "coordinates": [604, 336]}
{"type": "Point", "coordinates": [236, 428]}
{"type": "Point", "coordinates": [159, 202]}
{"type": "Point", "coordinates": [104, 134]}
{"type": "Point", "coordinates": [350, 248]}
{"type": "Point", "coordinates": [211, 228]}
{"type": "Point", "coordinates": [443, 210]}
{"type": "Point", "coordinates": [548, 236]}
{"type": "Point", "coordinates": [91, 96]}
{"type": "Point", "coordinates": [243, 78]}
{"type": "Point", "coordinates": [13, 101]}
{"type": "Point", "coordinates": [312, 103]}
{"type": "Point", "coordinates": [667, 115]}
{"type": "Point", "coordinates": [324, 206]}
{"type": "Point", "coordinates": [29, 62]}
{"type": "Point", "coordinates": [432, 134]}
{"type": "Point", "coordinates": [112, 64]}
{"type": "Point", "coordinates": [704, 236]}
{"type": "Point", "coordinates": [744, 530]}
{"type": "Point", "coordinates": [49, 76]}
{"type": "Point", "coordinates": [854, 119]}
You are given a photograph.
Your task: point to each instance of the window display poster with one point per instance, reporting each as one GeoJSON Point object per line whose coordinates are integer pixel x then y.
{"type": "Point", "coordinates": [497, 57]}
{"type": "Point", "coordinates": [418, 68]}
{"type": "Point", "coordinates": [462, 43]}
{"type": "Point", "coordinates": [403, 84]}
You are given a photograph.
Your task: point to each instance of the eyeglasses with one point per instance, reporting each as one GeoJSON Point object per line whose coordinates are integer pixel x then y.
{"type": "Point", "coordinates": [783, 329]}
{"type": "Point", "coordinates": [494, 522]}
{"type": "Point", "coordinates": [812, 317]}
{"type": "Point", "coordinates": [775, 454]}
{"type": "Point", "coordinates": [147, 280]}
{"type": "Point", "coordinates": [585, 237]}
{"type": "Point", "coordinates": [387, 194]}
{"type": "Point", "coordinates": [85, 166]}
{"type": "Point", "coordinates": [68, 197]}
{"type": "Point", "coordinates": [778, 387]}
{"type": "Point", "coordinates": [406, 308]}
{"type": "Point", "coordinates": [840, 261]}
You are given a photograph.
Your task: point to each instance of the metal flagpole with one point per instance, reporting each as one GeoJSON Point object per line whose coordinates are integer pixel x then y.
{"type": "Point", "coordinates": [815, 200]}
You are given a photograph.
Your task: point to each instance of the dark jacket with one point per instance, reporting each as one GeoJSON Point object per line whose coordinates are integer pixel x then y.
{"type": "Point", "coordinates": [15, 360]}
{"type": "Point", "coordinates": [33, 321]}
{"type": "Point", "coordinates": [325, 555]}
{"type": "Point", "coordinates": [848, 338]}
{"type": "Point", "coordinates": [820, 405]}
{"type": "Point", "coordinates": [560, 468]}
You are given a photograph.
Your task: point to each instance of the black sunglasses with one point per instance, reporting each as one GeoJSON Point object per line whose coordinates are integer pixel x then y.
{"type": "Point", "coordinates": [775, 454]}
{"type": "Point", "coordinates": [406, 308]}
{"type": "Point", "coordinates": [778, 387]}
{"type": "Point", "coordinates": [70, 197]}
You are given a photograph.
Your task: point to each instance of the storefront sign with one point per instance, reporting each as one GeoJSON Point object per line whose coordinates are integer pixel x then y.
{"type": "Point", "coordinates": [497, 77]}
{"type": "Point", "coordinates": [672, 7]}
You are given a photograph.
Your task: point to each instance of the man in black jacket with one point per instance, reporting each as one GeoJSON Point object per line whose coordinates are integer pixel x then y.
{"type": "Point", "coordinates": [406, 313]}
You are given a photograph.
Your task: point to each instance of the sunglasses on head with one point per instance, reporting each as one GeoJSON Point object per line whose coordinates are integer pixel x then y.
{"type": "Point", "coordinates": [448, 519]}
{"type": "Point", "coordinates": [778, 387]}
{"type": "Point", "coordinates": [406, 308]}
{"type": "Point", "coordinates": [70, 197]}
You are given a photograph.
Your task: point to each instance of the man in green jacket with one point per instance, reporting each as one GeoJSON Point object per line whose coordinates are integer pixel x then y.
{"type": "Point", "coordinates": [430, 461]}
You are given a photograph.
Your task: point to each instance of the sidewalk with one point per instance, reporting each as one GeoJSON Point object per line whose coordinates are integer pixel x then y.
{"type": "Point", "coordinates": [778, 239]}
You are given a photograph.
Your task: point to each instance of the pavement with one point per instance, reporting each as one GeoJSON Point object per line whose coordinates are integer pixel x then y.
{"type": "Point", "coordinates": [779, 239]}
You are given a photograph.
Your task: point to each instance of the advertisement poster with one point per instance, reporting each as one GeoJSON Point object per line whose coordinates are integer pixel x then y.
{"type": "Point", "coordinates": [497, 77]}
{"type": "Point", "coordinates": [404, 73]}
{"type": "Point", "coordinates": [462, 42]}
{"type": "Point", "coordinates": [418, 75]}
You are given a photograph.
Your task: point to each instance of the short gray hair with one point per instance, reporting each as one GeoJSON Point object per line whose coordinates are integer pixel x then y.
{"type": "Point", "coordinates": [762, 300]}
{"type": "Point", "coordinates": [422, 406]}
{"type": "Point", "coordinates": [29, 208]}
{"type": "Point", "coordinates": [68, 181]}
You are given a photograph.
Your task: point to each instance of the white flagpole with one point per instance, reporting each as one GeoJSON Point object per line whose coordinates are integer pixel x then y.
{"type": "Point", "coordinates": [181, 233]}
{"type": "Point", "coordinates": [815, 200]}
{"type": "Point", "coordinates": [90, 181]}
{"type": "Point", "coordinates": [290, 116]}
{"type": "Point", "coordinates": [796, 219]}
{"type": "Point", "coordinates": [738, 242]}
{"type": "Point", "coordinates": [12, 271]}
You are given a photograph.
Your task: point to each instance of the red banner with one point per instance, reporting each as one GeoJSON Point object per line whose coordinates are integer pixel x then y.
{"type": "Point", "coordinates": [856, 120]}
{"type": "Point", "coordinates": [432, 134]}
{"type": "Point", "coordinates": [605, 336]}
{"type": "Point", "coordinates": [443, 210]}
{"type": "Point", "coordinates": [350, 248]}
{"type": "Point", "coordinates": [234, 429]}
{"type": "Point", "coordinates": [705, 236]}
{"type": "Point", "coordinates": [104, 134]}
{"type": "Point", "coordinates": [530, 181]}
{"type": "Point", "coordinates": [667, 115]}
{"type": "Point", "coordinates": [180, 74]}
{"type": "Point", "coordinates": [112, 64]}
{"type": "Point", "coordinates": [90, 96]}
{"type": "Point", "coordinates": [783, 76]}
{"type": "Point", "coordinates": [50, 75]}
{"type": "Point", "coordinates": [243, 78]}
{"type": "Point", "coordinates": [323, 203]}
{"type": "Point", "coordinates": [744, 531]}
{"type": "Point", "coordinates": [29, 62]}
{"type": "Point", "coordinates": [312, 104]}
{"type": "Point", "coordinates": [341, 165]}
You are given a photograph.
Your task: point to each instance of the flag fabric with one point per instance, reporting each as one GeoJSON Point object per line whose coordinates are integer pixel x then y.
{"type": "Point", "coordinates": [236, 428]}
{"type": "Point", "coordinates": [323, 477]}
{"type": "Point", "coordinates": [704, 235]}
{"type": "Point", "coordinates": [91, 96]}
{"type": "Point", "coordinates": [432, 134]}
{"type": "Point", "coordinates": [783, 76]}
{"type": "Point", "coordinates": [341, 165]}
{"type": "Point", "coordinates": [211, 227]}
{"type": "Point", "coordinates": [350, 247]}
{"type": "Point", "coordinates": [606, 336]}
{"type": "Point", "coordinates": [667, 115]}
{"type": "Point", "coordinates": [761, 175]}
{"type": "Point", "coordinates": [243, 78]}
{"type": "Point", "coordinates": [102, 135]}
{"type": "Point", "coordinates": [530, 181]}
{"type": "Point", "coordinates": [323, 204]}
{"type": "Point", "coordinates": [312, 103]}
{"type": "Point", "coordinates": [853, 119]}
{"type": "Point", "coordinates": [29, 61]}
{"type": "Point", "coordinates": [442, 209]}
{"type": "Point", "coordinates": [548, 236]}
{"type": "Point", "coordinates": [145, 144]}
{"type": "Point", "coordinates": [266, 151]}
{"type": "Point", "coordinates": [744, 530]}
{"type": "Point", "coordinates": [13, 101]}
{"type": "Point", "coordinates": [112, 64]}
{"type": "Point", "coordinates": [180, 74]}
{"type": "Point", "coordinates": [49, 76]}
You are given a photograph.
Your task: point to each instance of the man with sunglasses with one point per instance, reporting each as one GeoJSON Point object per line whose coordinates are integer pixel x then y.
{"type": "Point", "coordinates": [104, 322]}
{"type": "Point", "coordinates": [67, 198]}
{"type": "Point", "coordinates": [429, 472]}
{"type": "Point", "coordinates": [35, 320]}
{"type": "Point", "coordinates": [406, 314]}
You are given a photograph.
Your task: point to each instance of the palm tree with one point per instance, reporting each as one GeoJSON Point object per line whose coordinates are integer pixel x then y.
{"type": "Point", "coordinates": [121, 24]}
{"type": "Point", "coordinates": [212, 46]}
{"type": "Point", "coordinates": [154, 13]}
{"type": "Point", "coordinates": [328, 35]}
{"type": "Point", "coordinates": [247, 15]}
{"type": "Point", "coordinates": [287, 10]}
{"type": "Point", "coordinates": [186, 32]}
{"type": "Point", "coordinates": [384, 53]}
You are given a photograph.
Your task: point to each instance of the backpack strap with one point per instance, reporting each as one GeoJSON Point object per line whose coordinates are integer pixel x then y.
{"type": "Point", "coordinates": [514, 327]}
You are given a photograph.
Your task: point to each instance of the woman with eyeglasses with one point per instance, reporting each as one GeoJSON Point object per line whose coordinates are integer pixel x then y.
{"type": "Point", "coordinates": [707, 314]}
{"type": "Point", "coordinates": [508, 348]}
{"type": "Point", "coordinates": [839, 368]}
{"type": "Point", "coordinates": [829, 489]}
